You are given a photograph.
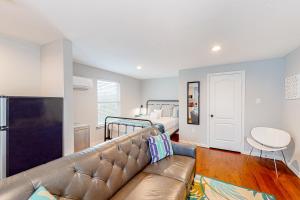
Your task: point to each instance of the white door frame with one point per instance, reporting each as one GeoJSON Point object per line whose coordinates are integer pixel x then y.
{"type": "Point", "coordinates": [242, 73]}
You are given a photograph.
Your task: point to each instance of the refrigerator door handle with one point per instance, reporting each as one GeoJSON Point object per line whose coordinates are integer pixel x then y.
{"type": "Point", "coordinates": [3, 101]}
{"type": "Point", "coordinates": [3, 154]}
{"type": "Point", "coordinates": [3, 132]}
{"type": "Point", "coordinates": [3, 128]}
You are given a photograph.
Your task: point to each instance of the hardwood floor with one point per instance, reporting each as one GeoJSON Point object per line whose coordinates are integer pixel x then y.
{"type": "Point", "coordinates": [248, 171]}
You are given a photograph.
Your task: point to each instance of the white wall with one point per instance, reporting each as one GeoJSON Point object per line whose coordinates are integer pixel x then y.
{"type": "Point", "coordinates": [19, 67]}
{"type": "Point", "coordinates": [291, 113]}
{"type": "Point", "coordinates": [264, 80]}
{"type": "Point", "coordinates": [85, 110]}
{"type": "Point", "coordinates": [52, 71]}
{"type": "Point", "coordinates": [57, 81]}
{"type": "Point", "coordinates": [68, 97]}
{"type": "Point", "coordinates": [159, 88]}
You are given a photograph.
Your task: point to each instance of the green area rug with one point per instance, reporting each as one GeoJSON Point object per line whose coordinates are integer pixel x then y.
{"type": "Point", "coordinates": [210, 189]}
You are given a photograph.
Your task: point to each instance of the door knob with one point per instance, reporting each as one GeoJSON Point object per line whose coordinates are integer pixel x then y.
{"type": "Point", "coordinates": [211, 115]}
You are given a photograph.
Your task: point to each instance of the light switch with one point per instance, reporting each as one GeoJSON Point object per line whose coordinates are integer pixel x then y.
{"type": "Point", "coordinates": [257, 100]}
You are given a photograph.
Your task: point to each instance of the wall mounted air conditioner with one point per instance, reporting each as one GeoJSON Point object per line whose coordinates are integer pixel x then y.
{"type": "Point", "coordinates": [81, 83]}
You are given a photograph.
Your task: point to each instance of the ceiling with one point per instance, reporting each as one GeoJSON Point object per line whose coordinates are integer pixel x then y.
{"type": "Point", "coordinates": [162, 36]}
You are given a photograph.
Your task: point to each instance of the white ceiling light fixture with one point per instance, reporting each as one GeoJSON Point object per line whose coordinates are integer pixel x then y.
{"type": "Point", "coordinates": [216, 48]}
{"type": "Point", "coordinates": [139, 67]}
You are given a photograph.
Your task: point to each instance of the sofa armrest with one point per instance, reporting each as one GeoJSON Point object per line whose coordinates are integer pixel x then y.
{"type": "Point", "coordinates": [184, 149]}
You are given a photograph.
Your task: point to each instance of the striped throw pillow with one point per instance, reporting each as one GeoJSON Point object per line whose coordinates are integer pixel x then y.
{"type": "Point", "coordinates": [160, 147]}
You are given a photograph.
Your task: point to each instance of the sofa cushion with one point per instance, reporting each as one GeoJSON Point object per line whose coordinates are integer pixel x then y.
{"type": "Point", "coordinates": [55, 176]}
{"type": "Point", "coordinates": [16, 187]}
{"type": "Point", "coordinates": [102, 172]}
{"type": "Point", "coordinates": [151, 187]}
{"type": "Point", "coordinates": [176, 166]}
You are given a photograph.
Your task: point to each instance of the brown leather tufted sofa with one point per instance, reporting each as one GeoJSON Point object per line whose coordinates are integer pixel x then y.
{"type": "Point", "coordinates": [117, 169]}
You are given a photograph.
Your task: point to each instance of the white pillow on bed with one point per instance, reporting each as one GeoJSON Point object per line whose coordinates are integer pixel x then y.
{"type": "Point", "coordinates": [159, 112]}
{"type": "Point", "coordinates": [175, 113]}
{"type": "Point", "coordinates": [167, 110]}
{"type": "Point", "coordinates": [156, 114]}
{"type": "Point", "coordinates": [153, 115]}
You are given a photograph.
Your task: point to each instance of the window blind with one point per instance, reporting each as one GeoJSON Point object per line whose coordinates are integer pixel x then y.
{"type": "Point", "coordinates": [108, 100]}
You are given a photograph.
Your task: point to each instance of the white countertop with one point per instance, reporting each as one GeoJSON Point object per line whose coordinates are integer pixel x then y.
{"type": "Point", "coordinates": [79, 125]}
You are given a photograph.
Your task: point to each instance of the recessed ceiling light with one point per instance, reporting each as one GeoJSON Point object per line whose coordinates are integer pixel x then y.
{"type": "Point", "coordinates": [139, 67]}
{"type": "Point", "coordinates": [216, 48]}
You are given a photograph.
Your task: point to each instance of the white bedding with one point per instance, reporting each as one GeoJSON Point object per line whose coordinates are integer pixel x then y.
{"type": "Point", "coordinates": [171, 124]}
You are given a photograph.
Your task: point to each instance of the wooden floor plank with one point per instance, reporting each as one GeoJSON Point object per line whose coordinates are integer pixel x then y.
{"type": "Point", "coordinates": [248, 171]}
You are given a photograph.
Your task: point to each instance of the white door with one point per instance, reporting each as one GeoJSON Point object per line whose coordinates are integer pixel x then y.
{"type": "Point", "coordinates": [226, 111]}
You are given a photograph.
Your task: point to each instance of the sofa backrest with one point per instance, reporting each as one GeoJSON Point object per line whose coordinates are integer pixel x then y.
{"type": "Point", "coordinates": [95, 173]}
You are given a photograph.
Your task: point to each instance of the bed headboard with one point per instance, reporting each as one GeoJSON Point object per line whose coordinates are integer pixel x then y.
{"type": "Point", "coordinates": [154, 102]}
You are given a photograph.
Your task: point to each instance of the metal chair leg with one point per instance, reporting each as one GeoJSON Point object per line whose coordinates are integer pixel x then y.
{"type": "Point", "coordinates": [251, 151]}
{"type": "Point", "coordinates": [283, 157]}
{"type": "Point", "coordinates": [275, 164]}
{"type": "Point", "coordinates": [260, 153]}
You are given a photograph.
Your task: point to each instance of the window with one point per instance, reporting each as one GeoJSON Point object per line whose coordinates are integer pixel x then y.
{"type": "Point", "coordinates": [108, 100]}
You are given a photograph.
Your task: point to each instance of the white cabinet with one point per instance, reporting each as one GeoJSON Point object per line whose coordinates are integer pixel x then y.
{"type": "Point", "coordinates": [81, 137]}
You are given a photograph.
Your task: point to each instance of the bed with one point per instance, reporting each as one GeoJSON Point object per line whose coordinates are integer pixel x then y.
{"type": "Point", "coordinates": [168, 122]}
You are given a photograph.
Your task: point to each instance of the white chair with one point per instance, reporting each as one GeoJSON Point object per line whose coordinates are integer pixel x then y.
{"type": "Point", "coordinates": [270, 140]}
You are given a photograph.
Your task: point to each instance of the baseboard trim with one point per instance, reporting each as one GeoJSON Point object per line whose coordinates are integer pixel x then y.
{"type": "Point", "coordinates": [204, 145]}
{"type": "Point", "coordinates": [294, 170]}
{"type": "Point", "coordinates": [194, 143]}
{"type": "Point", "coordinates": [264, 155]}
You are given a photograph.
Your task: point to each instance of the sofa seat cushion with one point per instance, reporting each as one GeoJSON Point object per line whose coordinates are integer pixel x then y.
{"type": "Point", "coordinates": [176, 166]}
{"type": "Point", "coordinates": [145, 186]}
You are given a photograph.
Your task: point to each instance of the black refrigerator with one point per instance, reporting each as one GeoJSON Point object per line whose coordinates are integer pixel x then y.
{"type": "Point", "coordinates": [31, 131]}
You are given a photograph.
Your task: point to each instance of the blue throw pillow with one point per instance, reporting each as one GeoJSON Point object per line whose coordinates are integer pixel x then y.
{"type": "Point", "coordinates": [42, 194]}
{"type": "Point", "coordinates": [160, 147]}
